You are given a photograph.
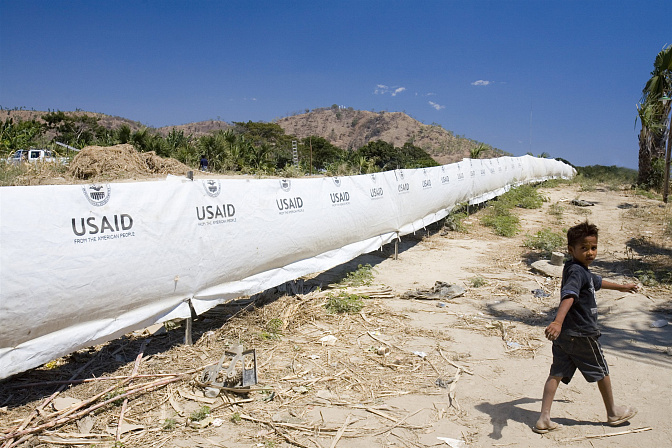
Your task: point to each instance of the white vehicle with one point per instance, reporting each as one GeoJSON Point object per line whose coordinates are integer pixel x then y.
{"type": "Point", "coordinates": [34, 155]}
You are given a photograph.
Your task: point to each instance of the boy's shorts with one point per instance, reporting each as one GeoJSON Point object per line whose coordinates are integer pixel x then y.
{"type": "Point", "coordinates": [578, 352]}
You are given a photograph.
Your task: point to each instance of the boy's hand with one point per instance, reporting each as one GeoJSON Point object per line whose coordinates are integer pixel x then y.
{"type": "Point", "coordinates": [629, 287]}
{"type": "Point", "coordinates": [553, 331]}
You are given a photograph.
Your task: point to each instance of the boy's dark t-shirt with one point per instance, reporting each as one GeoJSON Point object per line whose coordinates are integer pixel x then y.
{"type": "Point", "coordinates": [580, 283]}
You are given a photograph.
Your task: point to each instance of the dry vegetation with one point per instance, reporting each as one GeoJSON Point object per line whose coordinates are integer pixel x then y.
{"type": "Point", "coordinates": [97, 164]}
{"type": "Point", "coordinates": [369, 385]}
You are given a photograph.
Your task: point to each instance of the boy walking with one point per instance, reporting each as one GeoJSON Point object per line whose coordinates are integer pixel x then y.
{"type": "Point", "coordinates": [574, 330]}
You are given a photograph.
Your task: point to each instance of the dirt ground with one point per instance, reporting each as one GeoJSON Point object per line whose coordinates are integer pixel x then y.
{"type": "Point", "coordinates": [468, 371]}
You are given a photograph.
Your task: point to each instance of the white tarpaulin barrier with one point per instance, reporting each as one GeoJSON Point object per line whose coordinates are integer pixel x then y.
{"type": "Point", "coordinates": [83, 264]}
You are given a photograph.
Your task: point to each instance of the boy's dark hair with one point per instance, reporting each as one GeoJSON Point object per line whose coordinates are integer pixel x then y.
{"type": "Point", "coordinates": [578, 232]}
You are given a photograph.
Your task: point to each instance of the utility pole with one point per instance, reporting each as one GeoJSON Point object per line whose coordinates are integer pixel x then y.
{"type": "Point", "coordinates": [666, 186]}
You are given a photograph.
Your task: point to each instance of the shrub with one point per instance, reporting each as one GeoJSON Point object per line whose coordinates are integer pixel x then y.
{"type": "Point", "coordinates": [545, 240]}
{"type": "Point", "coordinates": [477, 281]}
{"type": "Point", "coordinates": [199, 415]}
{"type": "Point", "coordinates": [524, 196]}
{"type": "Point", "coordinates": [344, 303]}
{"type": "Point", "coordinates": [454, 222]}
{"type": "Point", "coordinates": [556, 210]}
{"type": "Point", "coordinates": [503, 222]}
{"type": "Point", "coordinates": [363, 276]}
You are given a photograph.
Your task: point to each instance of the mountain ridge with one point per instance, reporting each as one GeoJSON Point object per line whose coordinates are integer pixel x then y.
{"type": "Point", "coordinates": [346, 128]}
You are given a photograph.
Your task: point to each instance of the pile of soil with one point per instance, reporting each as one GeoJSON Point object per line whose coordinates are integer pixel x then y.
{"type": "Point", "coordinates": [121, 161]}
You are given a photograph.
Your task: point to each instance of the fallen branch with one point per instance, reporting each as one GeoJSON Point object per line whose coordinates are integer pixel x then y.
{"type": "Point", "coordinates": [389, 417]}
{"type": "Point", "coordinates": [383, 342]}
{"type": "Point", "coordinates": [601, 436]}
{"type": "Point", "coordinates": [399, 423]}
{"type": "Point", "coordinates": [64, 419]}
{"type": "Point", "coordinates": [9, 443]}
{"type": "Point", "coordinates": [457, 366]}
{"type": "Point", "coordinates": [340, 432]}
{"type": "Point", "coordinates": [286, 436]}
{"type": "Point", "coordinates": [451, 391]}
{"type": "Point", "coordinates": [88, 380]}
{"type": "Point", "coordinates": [136, 366]}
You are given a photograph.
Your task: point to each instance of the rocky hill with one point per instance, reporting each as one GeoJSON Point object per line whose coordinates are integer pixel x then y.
{"type": "Point", "coordinates": [345, 128]}
{"type": "Point", "coordinates": [351, 129]}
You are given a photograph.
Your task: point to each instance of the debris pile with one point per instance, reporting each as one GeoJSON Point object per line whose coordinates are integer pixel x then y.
{"type": "Point", "coordinates": [121, 161]}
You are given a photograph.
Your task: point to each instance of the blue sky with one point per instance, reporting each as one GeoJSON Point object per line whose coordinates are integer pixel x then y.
{"type": "Point", "coordinates": [561, 77]}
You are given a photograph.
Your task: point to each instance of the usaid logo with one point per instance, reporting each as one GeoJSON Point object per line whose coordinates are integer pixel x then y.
{"type": "Point", "coordinates": [94, 225]}
{"type": "Point", "coordinates": [289, 205]}
{"type": "Point", "coordinates": [340, 198]}
{"type": "Point", "coordinates": [337, 182]}
{"type": "Point", "coordinates": [373, 178]}
{"type": "Point", "coordinates": [285, 184]}
{"type": "Point", "coordinates": [212, 187]}
{"type": "Point", "coordinates": [97, 195]}
{"type": "Point", "coordinates": [376, 193]}
{"type": "Point", "coordinates": [445, 179]}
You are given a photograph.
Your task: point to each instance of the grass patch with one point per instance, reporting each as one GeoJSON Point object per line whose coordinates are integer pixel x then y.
{"type": "Point", "coordinates": [344, 303]}
{"type": "Point", "coordinates": [556, 210]}
{"type": "Point", "coordinates": [545, 240]}
{"type": "Point", "coordinates": [9, 173]}
{"type": "Point", "coordinates": [455, 222]}
{"type": "Point", "coordinates": [169, 424]}
{"type": "Point", "coordinates": [648, 194]}
{"type": "Point", "coordinates": [273, 329]}
{"type": "Point", "coordinates": [524, 196]}
{"type": "Point", "coordinates": [363, 276]}
{"type": "Point", "coordinates": [504, 223]}
{"type": "Point", "coordinates": [499, 215]}
{"type": "Point", "coordinates": [199, 415]}
{"type": "Point", "coordinates": [608, 174]}
{"type": "Point", "coordinates": [477, 281]}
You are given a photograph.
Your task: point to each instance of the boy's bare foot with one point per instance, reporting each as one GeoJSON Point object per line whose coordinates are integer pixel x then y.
{"type": "Point", "coordinates": [543, 427]}
{"type": "Point", "coordinates": [625, 413]}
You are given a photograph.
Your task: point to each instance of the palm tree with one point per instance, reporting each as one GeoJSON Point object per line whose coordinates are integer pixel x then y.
{"type": "Point", "coordinates": [653, 112]}
{"type": "Point", "coordinates": [478, 151]}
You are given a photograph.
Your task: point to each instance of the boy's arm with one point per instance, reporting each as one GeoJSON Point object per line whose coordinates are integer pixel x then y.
{"type": "Point", "coordinates": [628, 287]}
{"type": "Point", "coordinates": [554, 328]}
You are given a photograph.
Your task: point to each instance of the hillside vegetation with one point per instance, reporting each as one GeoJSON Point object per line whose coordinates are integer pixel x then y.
{"type": "Point", "coordinates": [329, 140]}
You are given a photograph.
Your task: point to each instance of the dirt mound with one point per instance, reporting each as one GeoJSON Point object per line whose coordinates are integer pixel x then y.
{"type": "Point", "coordinates": [121, 161]}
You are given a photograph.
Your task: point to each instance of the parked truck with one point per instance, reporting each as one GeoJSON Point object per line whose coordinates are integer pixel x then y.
{"type": "Point", "coordinates": [34, 155]}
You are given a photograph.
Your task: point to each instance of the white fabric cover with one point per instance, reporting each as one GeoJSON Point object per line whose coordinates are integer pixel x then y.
{"type": "Point", "coordinates": [83, 264]}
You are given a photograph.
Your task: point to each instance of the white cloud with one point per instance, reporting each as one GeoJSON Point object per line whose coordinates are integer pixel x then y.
{"type": "Point", "coordinates": [436, 106]}
{"type": "Point", "coordinates": [481, 82]}
{"type": "Point", "coordinates": [382, 89]}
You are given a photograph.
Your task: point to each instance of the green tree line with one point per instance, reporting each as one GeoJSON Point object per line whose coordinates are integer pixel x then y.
{"type": "Point", "coordinates": [248, 147]}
